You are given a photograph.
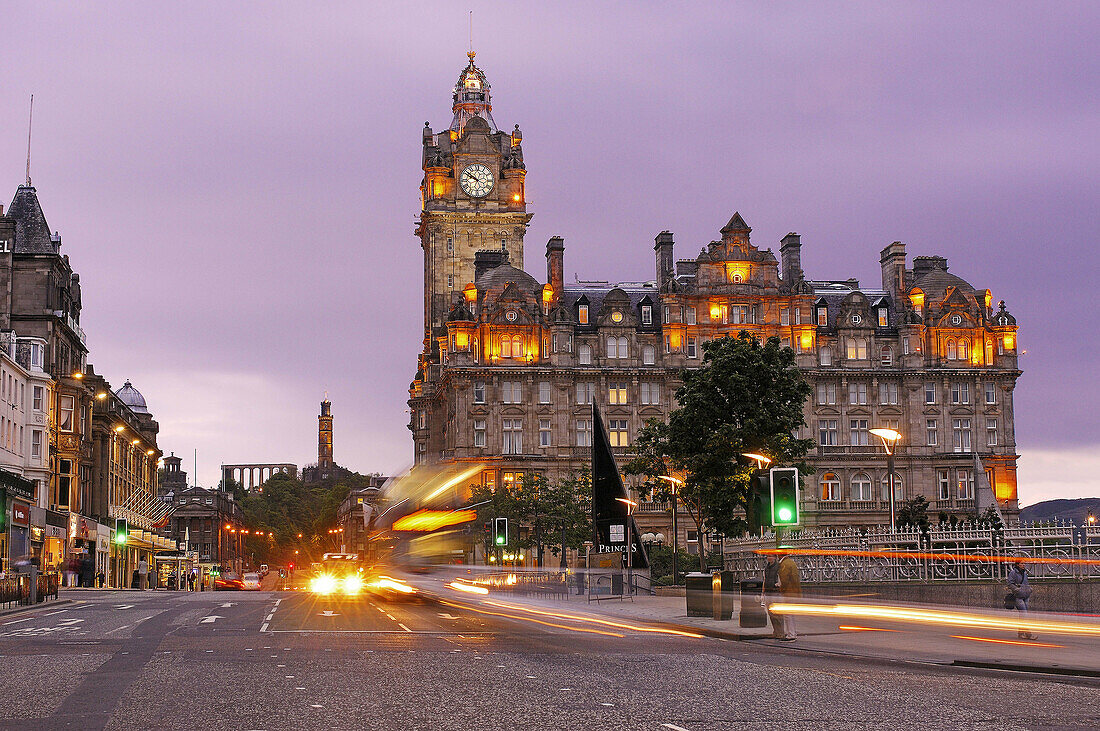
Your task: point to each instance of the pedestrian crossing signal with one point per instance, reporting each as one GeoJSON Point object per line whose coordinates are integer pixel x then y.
{"type": "Point", "coordinates": [500, 532]}
{"type": "Point", "coordinates": [784, 494]}
{"type": "Point", "coordinates": [122, 530]}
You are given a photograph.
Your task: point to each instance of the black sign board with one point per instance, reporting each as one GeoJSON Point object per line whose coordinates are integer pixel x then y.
{"type": "Point", "coordinates": [615, 527]}
{"type": "Point", "coordinates": [17, 486]}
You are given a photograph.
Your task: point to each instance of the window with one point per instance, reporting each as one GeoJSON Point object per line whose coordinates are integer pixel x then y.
{"type": "Point", "coordinates": [990, 392]}
{"type": "Point", "coordinates": [826, 355]}
{"type": "Point", "coordinates": [64, 481]}
{"type": "Point", "coordinates": [857, 348]}
{"type": "Point", "coordinates": [830, 487]}
{"type": "Point", "coordinates": [584, 432]}
{"type": "Point", "coordinates": [929, 393]}
{"type": "Point", "coordinates": [885, 356]}
{"type": "Point", "coordinates": [649, 355]}
{"type": "Point", "coordinates": [585, 393]}
{"type": "Point", "coordinates": [905, 345]}
{"type": "Point", "coordinates": [826, 394]}
{"type": "Point", "coordinates": [479, 432]}
{"type": "Point", "coordinates": [651, 393]}
{"type": "Point", "coordinates": [544, 392]}
{"type": "Point", "coordinates": [692, 348]}
{"type": "Point", "coordinates": [882, 321]}
{"type": "Point", "coordinates": [960, 434]}
{"type": "Point", "coordinates": [931, 432]}
{"type": "Point", "coordinates": [991, 432]}
{"type": "Point", "coordinates": [949, 349]}
{"type": "Point", "coordinates": [450, 244]}
{"type": "Point", "coordinates": [511, 392]}
{"type": "Point", "coordinates": [616, 432]}
{"type": "Point", "coordinates": [899, 488]}
{"type": "Point", "coordinates": [784, 316]}
{"type": "Point", "coordinates": [37, 395]}
{"type": "Point", "coordinates": [479, 392]}
{"type": "Point", "coordinates": [38, 353]}
{"type": "Point", "coordinates": [584, 354]}
{"type": "Point", "coordinates": [616, 392]}
{"type": "Point", "coordinates": [582, 314]}
{"type": "Point", "coordinates": [66, 407]}
{"type": "Point", "coordinates": [511, 346]}
{"type": "Point", "coordinates": [888, 393]}
{"type": "Point", "coordinates": [797, 315]}
{"type": "Point", "coordinates": [965, 484]}
{"type": "Point", "coordinates": [691, 315]}
{"type": "Point", "coordinates": [36, 443]}
{"type": "Point", "coordinates": [666, 314]}
{"type": "Point", "coordinates": [857, 394]}
{"type": "Point", "coordinates": [960, 392]}
{"type": "Point", "coordinates": [647, 315]}
{"type": "Point", "coordinates": [964, 349]}
{"type": "Point", "coordinates": [861, 487]}
{"type": "Point", "coordinates": [943, 480]}
{"type": "Point", "coordinates": [826, 430]}
{"type": "Point", "coordinates": [475, 350]}
{"type": "Point", "coordinates": [616, 348]}
{"type": "Point", "coordinates": [989, 352]}
{"type": "Point", "coordinates": [822, 316]}
{"type": "Point", "coordinates": [668, 347]}
{"type": "Point", "coordinates": [450, 281]}
{"type": "Point", "coordinates": [513, 436]}
{"type": "Point", "coordinates": [544, 432]}
{"type": "Point", "coordinates": [740, 314]}
{"type": "Point", "coordinates": [858, 432]}
{"type": "Point", "coordinates": [421, 418]}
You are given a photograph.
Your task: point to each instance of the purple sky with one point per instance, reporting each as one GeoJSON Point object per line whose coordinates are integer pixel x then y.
{"type": "Point", "coordinates": [237, 183]}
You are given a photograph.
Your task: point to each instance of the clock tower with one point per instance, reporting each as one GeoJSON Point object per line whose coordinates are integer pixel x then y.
{"type": "Point", "coordinates": [472, 197]}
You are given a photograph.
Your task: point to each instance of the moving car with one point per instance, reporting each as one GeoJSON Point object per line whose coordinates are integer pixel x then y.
{"type": "Point", "coordinates": [228, 582]}
{"type": "Point", "coordinates": [339, 574]}
{"type": "Point", "coordinates": [251, 582]}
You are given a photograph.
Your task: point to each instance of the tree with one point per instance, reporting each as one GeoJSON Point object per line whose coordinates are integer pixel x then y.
{"type": "Point", "coordinates": [746, 397]}
{"type": "Point", "coordinates": [914, 512]}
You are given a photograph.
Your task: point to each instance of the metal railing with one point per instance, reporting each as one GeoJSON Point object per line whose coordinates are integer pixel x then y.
{"type": "Point", "coordinates": [16, 588]}
{"type": "Point", "coordinates": [966, 552]}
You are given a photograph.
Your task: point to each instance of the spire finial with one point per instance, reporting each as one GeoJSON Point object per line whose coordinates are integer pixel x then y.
{"type": "Point", "coordinates": [30, 122]}
{"type": "Point", "coordinates": [470, 53]}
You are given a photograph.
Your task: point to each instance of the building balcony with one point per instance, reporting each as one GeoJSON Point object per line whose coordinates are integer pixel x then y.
{"type": "Point", "coordinates": [844, 506]}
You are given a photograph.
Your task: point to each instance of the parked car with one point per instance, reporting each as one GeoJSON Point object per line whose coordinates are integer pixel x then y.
{"type": "Point", "coordinates": [228, 582]}
{"type": "Point", "coordinates": [251, 582]}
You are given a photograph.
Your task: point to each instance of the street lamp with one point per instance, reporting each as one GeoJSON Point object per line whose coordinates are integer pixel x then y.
{"type": "Point", "coordinates": [761, 460]}
{"type": "Point", "coordinates": [889, 439]}
{"type": "Point", "coordinates": [630, 505]}
{"type": "Point", "coordinates": [676, 483]}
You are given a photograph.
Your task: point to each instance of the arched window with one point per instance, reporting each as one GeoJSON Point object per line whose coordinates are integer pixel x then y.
{"type": "Point", "coordinates": [825, 353]}
{"type": "Point", "coordinates": [622, 348]}
{"type": "Point", "coordinates": [506, 347]}
{"type": "Point", "coordinates": [830, 487]}
{"type": "Point", "coordinates": [612, 347]}
{"type": "Point", "coordinates": [899, 488]}
{"type": "Point", "coordinates": [861, 486]}
{"type": "Point", "coordinates": [649, 355]}
{"type": "Point", "coordinates": [517, 346]}
{"type": "Point", "coordinates": [989, 352]}
{"type": "Point", "coordinates": [964, 349]}
{"type": "Point", "coordinates": [949, 349]}
{"type": "Point", "coordinates": [885, 356]}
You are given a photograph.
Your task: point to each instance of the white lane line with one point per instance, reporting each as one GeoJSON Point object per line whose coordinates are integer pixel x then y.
{"type": "Point", "coordinates": [59, 611]}
{"type": "Point", "coordinates": [673, 727]}
{"type": "Point", "coordinates": [263, 627]}
{"type": "Point", "coordinates": [391, 616]}
{"type": "Point", "coordinates": [17, 621]}
{"type": "Point", "coordinates": [403, 627]}
{"type": "Point", "coordinates": [116, 629]}
{"type": "Point", "coordinates": [268, 617]}
{"type": "Point", "coordinates": [278, 602]}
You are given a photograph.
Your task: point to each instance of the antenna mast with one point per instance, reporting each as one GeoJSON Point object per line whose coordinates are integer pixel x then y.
{"type": "Point", "coordinates": [471, 31]}
{"type": "Point", "coordinates": [30, 122]}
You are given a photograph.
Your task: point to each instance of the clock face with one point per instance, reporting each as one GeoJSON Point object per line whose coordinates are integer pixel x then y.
{"type": "Point", "coordinates": [476, 180]}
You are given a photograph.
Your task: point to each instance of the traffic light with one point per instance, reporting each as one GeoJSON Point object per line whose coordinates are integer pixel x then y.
{"type": "Point", "coordinates": [122, 530]}
{"type": "Point", "coordinates": [500, 536]}
{"type": "Point", "coordinates": [760, 498]}
{"type": "Point", "coordinates": [784, 495]}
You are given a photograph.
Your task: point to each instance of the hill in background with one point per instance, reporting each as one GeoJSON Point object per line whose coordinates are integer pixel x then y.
{"type": "Point", "coordinates": [1076, 510]}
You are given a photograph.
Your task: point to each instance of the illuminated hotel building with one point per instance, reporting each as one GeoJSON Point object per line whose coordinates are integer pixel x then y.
{"type": "Point", "coordinates": [511, 365]}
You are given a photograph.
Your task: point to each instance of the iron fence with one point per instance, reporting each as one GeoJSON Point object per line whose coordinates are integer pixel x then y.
{"type": "Point", "coordinates": [967, 552]}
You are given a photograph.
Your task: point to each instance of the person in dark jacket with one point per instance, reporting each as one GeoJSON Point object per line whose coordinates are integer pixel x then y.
{"type": "Point", "coordinates": [771, 589]}
{"type": "Point", "coordinates": [1020, 591]}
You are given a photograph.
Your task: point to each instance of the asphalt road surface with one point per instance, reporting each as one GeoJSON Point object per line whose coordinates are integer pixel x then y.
{"type": "Point", "coordinates": [285, 660]}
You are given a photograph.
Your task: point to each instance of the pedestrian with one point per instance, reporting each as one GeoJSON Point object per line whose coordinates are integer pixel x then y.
{"type": "Point", "coordinates": [771, 590]}
{"type": "Point", "coordinates": [1019, 594]}
{"type": "Point", "coordinates": [143, 573]}
{"type": "Point", "coordinates": [191, 580]}
{"type": "Point", "coordinates": [791, 588]}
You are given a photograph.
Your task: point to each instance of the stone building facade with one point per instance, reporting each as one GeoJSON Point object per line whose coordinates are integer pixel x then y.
{"type": "Point", "coordinates": [511, 365]}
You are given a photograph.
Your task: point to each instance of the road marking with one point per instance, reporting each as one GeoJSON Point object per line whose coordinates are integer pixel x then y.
{"type": "Point", "coordinates": [403, 627]}
{"type": "Point", "coordinates": [445, 615]}
{"type": "Point", "coordinates": [17, 621]}
{"type": "Point", "coordinates": [59, 611]}
{"type": "Point", "coordinates": [607, 704]}
{"type": "Point", "coordinates": [263, 627]}
{"type": "Point", "coordinates": [227, 605]}
{"type": "Point", "coordinates": [330, 613]}
{"type": "Point", "coordinates": [70, 621]}
{"type": "Point", "coordinates": [673, 727]}
{"type": "Point", "coordinates": [268, 617]}
{"type": "Point", "coordinates": [316, 705]}
{"type": "Point", "coordinates": [391, 616]}
{"type": "Point", "coordinates": [278, 601]}
{"type": "Point", "coordinates": [116, 629]}
{"type": "Point", "coordinates": [211, 618]}
{"type": "Point", "coordinates": [124, 606]}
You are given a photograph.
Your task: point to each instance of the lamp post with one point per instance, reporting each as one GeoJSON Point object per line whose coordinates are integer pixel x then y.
{"type": "Point", "coordinates": [676, 483]}
{"type": "Point", "coordinates": [630, 505]}
{"type": "Point", "coordinates": [889, 439]}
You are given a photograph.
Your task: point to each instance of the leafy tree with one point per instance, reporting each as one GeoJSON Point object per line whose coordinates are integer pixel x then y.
{"type": "Point", "coordinates": [914, 513]}
{"type": "Point", "coordinates": [746, 397]}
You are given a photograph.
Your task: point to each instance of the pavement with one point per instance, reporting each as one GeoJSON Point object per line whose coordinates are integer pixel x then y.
{"type": "Point", "coordinates": [454, 660]}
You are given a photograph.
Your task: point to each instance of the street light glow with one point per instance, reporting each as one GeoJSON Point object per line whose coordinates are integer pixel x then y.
{"type": "Point", "coordinates": [758, 457]}
{"type": "Point", "coordinates": [624, 501]}
{"type": "Point", "coordinates": [887, 435]}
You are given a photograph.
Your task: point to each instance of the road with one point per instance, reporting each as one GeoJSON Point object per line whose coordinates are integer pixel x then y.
{"type": "Point", "coordinates": [286, 660]}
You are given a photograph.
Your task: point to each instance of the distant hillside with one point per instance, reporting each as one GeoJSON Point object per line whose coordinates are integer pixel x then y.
{"type": "Point", "coordinates": [1076, 510]}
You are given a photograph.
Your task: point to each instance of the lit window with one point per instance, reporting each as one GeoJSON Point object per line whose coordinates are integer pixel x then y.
{"type": "Point", "coordinates": [582, 314]}
{"type": "Point", "coordinates": [882, 321]}
{"type": "Point", "coordinates": [584, 354]}
{"type": "Point", "coordinates": [616, 392]}
{"type": "Point", "coordinates": [544, 392]}
{"type": "Point", "coordinates": [964, 349]}
{"type": "Point", "coordinates": [617, 433]}
{"type": "Point", "coordinates": [544, 432]}
{"type": "Point", "coordinates": [950, 351]}
{"type": "Point", "coordinates": [965, 482]}
{"type": "Point", "coordinates": [479, 392]}
{"type": "Point", "coordinates": [861, 486]}
{"type": "Point", "coordinates": [649, 355]}
{"type": "Point", "coordinates": [740, 314]}
{"type": "Point", "coordinates": [585, 393]}
{"type": "Point", "coordinates": [822, 316]}
{"type": "Point", "coordinates": [827, 431]}
{"type": "Point", "coordinates": [857, 349]}
{"type": "Point", "coordinates": [830, 487]}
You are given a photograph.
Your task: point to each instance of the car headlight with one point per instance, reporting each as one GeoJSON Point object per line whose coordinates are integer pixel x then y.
{"type": "Point", "coordinates": [323, 584]}
{"type": "Point", "coordinates": [353, 584]}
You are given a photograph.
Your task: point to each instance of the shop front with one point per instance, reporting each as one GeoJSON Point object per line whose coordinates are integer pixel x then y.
{"type": "Point", "coordinates": [19, 529]}
{"type": "Point", "coordinates": [16, 498]}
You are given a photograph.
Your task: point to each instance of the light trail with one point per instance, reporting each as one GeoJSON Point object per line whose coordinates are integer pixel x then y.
{"type": "Point", "coordinates": [856, 628]}
{"type": "Point", "coordinates": [926, 556]}
{"type": "Point", "coordinates": [605, 622]}
{"type": "Point", "coordinates": [468, 588]}
{"type": "Point", "coordinates": [935, 616]}
{"type": "Point", "coordinates": [531, 619]}
{"type": "Point", "coordinates": [1005, 642]}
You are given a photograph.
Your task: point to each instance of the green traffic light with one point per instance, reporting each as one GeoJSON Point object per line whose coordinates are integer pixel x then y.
{"type": "Point", "coordinates": [500, 540]}
{"type": "Point", "coordinates": [120, 538]}
{"type": "Point", "coordinates": [785, 514]}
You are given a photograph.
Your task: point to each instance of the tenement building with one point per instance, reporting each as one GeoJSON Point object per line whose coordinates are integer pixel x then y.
{"type": "Point", "coordinates": [511, 365]}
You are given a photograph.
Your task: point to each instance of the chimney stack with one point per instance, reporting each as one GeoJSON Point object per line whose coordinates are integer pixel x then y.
{"type": "Point", "coordinates": [892, 259]}
{"type": "Point", "coordinates": [663, 246]}
{"type": "Point", "coordinates": [790, 252]}
{"type": "Point", "coordinates": [555, 264]}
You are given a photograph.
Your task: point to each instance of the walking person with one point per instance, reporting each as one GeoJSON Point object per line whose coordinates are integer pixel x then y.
{"type": "Point", "coordinates": [771, 590]}
{"type": "Point", "coordinates": [143, 573]}
{"type": "Point", "coordinates": [191, 580]}
{"type": "Point", "coordinates": [1019, 594]}
{"type": "Point", "coordinates": [791, 588]}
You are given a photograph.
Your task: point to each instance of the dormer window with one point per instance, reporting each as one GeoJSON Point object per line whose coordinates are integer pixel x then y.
{"type": "Point", "coordinates": [582, 314]}
{"type": "Point", "coordinates": [647, 315]}
{"type": "Point", "coordinates": [822, 316]}
{"type": "Point", "coordinates": [882, 317]}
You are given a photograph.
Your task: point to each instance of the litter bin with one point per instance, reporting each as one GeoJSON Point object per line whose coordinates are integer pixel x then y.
{"type": "Point", "coordinates": [754, 612]}
{"type": "Point", "coordinates": [700, 594]}
{"type": "Point", "coordinates": [724, 589]}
